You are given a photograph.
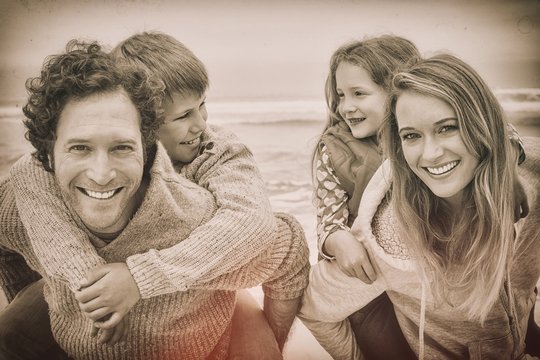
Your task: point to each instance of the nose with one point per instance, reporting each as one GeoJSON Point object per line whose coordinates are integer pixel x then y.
{"type": "Point", "coordinates": [433, 149]}
{"type": "Point", "coordinates": [101, 169]}
{"type": "Point", "coordinates": [199, 122]}
{"type": "Point", "coordinates": [347, 105]}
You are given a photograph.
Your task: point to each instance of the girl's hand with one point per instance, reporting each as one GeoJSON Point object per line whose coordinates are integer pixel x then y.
{"type": "Point", "coordinates": [351, 256]}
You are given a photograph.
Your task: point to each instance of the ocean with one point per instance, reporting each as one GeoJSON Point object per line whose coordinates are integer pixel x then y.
{"type": "Point", "coordinates": [281, 135]}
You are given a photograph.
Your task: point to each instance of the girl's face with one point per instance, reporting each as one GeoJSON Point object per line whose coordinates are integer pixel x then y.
{"type": "Point", "coordinates": [361, 101]}
{"type": "Point", "coordinates": [433, 147]}
{"type": "Point", "coordinates": [185, 121]}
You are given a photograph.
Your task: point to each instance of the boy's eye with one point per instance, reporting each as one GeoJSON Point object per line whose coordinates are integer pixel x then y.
{"type": "Point", "coordinates": [181, 117]}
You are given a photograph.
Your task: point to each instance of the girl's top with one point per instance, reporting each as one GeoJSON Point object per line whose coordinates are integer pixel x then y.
{"type": "Point", "coordinates": [343, 166]}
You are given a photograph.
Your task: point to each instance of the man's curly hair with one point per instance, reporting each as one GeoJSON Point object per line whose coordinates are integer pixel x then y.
{"type": "Point", "coordinates": [82, 71]}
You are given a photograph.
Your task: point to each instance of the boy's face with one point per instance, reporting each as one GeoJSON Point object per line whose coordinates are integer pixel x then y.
{"type": "Point", "coordinates": [185, 121]}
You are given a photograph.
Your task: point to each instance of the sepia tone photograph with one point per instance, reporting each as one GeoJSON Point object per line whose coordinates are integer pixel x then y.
{"type": "Point", "coordinates": [346, 179]}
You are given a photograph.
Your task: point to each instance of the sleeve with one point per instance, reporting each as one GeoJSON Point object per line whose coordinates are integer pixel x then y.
{"type": "Point", "coordinates": [62, 248]}
{"type": "Point", "coordinates": [283, 269]}
{"type": "Point", "coordinates": [15, 273]}
{"type": "Point", "coordinates": [239, 231]}
{"type": "Point", "coordinates": [330, 199]}
{"type": "Point", "coordinates": [516, 140]}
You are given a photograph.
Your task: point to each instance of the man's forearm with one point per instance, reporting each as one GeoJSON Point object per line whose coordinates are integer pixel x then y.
{"type": "Point", "coordinates": [280, 315]}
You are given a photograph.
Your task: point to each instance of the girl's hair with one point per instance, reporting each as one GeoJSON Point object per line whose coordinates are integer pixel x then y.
{"type": "Point", "coordinates": [467, 253]}
{"type": "Point", "coordinates": [167, 59]}
{"type": "Point", "coordinates": [380, 56]}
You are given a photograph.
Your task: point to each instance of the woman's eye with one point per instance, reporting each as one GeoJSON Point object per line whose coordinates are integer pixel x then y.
{"type": "Point", "coordinates": [203, 104]}
{"type": "Point", "coordinates": [358, 93]}
{"type": "Point", "coordinates": [410, 136]}
{"type": "Point", "coordinates": [340, 95]}
{"type": "Point", "coordinates": [448, 128]}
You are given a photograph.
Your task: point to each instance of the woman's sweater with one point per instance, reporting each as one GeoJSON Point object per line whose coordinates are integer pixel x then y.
{"type": "Point", "coordinates": [438, 331]}
{"type": "Point", "coordinates": [171, 321]}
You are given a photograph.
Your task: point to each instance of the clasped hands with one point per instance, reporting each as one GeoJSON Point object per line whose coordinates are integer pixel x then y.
{"type": "Point", "coordinates": [105, 297]}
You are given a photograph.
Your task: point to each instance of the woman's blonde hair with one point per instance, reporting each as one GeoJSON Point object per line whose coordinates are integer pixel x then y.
{"type": "Point", "coordinates": [469, 253]}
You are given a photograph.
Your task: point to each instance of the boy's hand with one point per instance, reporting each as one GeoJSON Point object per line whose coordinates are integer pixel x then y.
{"type": "Point", "coordinates": [108, 290]}
{"type": "Point", "coordinates": [351, 256]}
{"type": "Point", "coordinates": [113, 335]}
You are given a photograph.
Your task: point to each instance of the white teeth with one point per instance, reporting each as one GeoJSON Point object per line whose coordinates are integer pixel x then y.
{"type": "Point", "coordinates": [356, 120]}
{"type": "Point", "coordinates": [102, 195]}
{"type": "Point", "coordinates": [190, 142]}
{"type": "Point", "coordinates": [443, 169]}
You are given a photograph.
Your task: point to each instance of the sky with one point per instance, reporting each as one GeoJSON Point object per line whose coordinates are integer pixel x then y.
{"type": "Point", "coordinates": [277, 49]}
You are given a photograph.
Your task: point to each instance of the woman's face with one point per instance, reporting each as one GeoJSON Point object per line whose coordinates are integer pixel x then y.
{"type": "Point", "coordinates": [361, 101]}
{"type": "Point", "coordinates": [433, 147]}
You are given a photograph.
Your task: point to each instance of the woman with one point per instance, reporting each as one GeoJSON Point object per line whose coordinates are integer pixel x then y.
{"type": "Point", "coordinates": [437, 217]}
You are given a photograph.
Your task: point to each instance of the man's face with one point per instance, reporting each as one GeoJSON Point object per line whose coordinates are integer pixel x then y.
{"type": "Point", "coordinates": [98, 159]}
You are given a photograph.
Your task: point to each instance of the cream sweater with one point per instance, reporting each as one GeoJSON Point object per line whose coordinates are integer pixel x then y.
{"type": "Point", "coordinates": [438, 331]}
{"type": "Point", "coordinates": [178, 317]}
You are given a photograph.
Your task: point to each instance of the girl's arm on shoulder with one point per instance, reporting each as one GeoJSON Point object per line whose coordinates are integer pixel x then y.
{"type": "Point", "coordinates": [63, 249]}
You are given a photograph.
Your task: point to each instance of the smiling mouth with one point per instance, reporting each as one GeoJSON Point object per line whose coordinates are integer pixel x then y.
{"type": "Point", "coordinates": [99, 195]}
{"type": "Point", "coordinates": [191, 142]}
{"type": "Point", "coordinates": [354, 121]}
{"type": "Point", "coordinates": [442, 169]}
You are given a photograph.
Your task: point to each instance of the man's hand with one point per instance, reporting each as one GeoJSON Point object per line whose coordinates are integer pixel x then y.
{"type": "Point", "coordinates": [108, 294]}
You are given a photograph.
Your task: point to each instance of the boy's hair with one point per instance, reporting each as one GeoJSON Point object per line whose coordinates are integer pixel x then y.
{"type": "Point", "coordinates": [85, 70]}
{"type": "Point", "coordinates": [469, 252]}
{"type": "Point", "coordinates": [380, 56]}
{"type": "Point", "coordinates": [167, 59]}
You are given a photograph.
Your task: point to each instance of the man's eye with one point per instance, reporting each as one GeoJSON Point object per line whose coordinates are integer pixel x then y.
{"type": "Point", "coordinates": [123, 148]}
{"type": "Point", "coordinates": [78, 148]}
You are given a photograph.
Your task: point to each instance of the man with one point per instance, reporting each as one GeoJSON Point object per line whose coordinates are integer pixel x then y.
{"type": "Point", "coordinates": [97, 133]}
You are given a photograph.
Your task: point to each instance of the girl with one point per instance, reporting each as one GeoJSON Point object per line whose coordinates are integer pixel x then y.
{"type": "Point", "coordinates": [438, 220]}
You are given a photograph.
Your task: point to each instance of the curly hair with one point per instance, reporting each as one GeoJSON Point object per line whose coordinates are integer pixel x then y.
{"type": "Point", "coordinates": [85, 70]}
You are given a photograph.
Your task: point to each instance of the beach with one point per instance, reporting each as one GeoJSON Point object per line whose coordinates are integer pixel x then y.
{"type": "Point", "coordinates": [282, 136]}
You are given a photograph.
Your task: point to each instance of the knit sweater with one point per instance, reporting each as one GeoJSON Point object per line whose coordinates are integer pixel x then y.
{"type": "Point", "coordinates": [170, 322]}
{"type": "Point", "coordinates": [224, 166]}
{"type": "Point", "coordinates": [444, 333]}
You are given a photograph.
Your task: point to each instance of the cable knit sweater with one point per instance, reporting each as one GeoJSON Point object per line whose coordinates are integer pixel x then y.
{"type": "Point", "coordinates": [447, 334]}
{"type": "Point", "coordinates": [177, 318]}
{"type": "Point", "coordinates": [224, 166]}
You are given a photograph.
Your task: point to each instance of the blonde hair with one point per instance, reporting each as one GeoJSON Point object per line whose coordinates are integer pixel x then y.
{"type": "Point", "coordinates": [471, 255]}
